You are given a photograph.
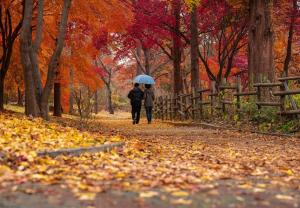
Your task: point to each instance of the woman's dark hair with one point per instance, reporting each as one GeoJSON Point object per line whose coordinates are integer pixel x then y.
{"type": "Point", "coordinates": [136, 84]}
{"type": "Point", "coordinates": [148, 86]}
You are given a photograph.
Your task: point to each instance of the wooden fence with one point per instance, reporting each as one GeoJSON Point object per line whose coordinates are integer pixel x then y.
{"type": "Point", "coordinates": [228, 99]}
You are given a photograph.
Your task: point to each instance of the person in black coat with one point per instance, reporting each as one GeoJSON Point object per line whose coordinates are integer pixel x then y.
{"type": "Point", "coordinates": [136, 96]}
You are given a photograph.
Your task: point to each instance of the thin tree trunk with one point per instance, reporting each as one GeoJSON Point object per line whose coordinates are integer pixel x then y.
{"type": "Point", "coordinates": [288, 56]}
{"type": "Point", "coordinates": [185, 86]}
{"type": "Point", "coordinates": [1, 94]}
{"type": "Point", "coordinates": [109, 101]}
{"type": "Point", "coordinates": [34, 52]}
{"type": "Point", "coordinates": [20, 97]}
{"type": "Point", "coordinates": [194, 49]}
{"type": "Point", "coordinates": [176, 52]}
{"type": "Point", "coordinates": [261, 58]}
{"type": "Point", "coordinates": [52, 67]}
{"type": "Point", "coordinates": [139, 69]}
{"type": "Point", "coordinates": [71, 96]}
{"type": "Point", "coordinates": [147, 60]}
{"type": "Point", "coordinates": [96, 108]}
{"type": "Point", "coordinates": [57, 98]}
{"type": "Point", "coordinates": [31, 107]}
{"type": "Point", "coordinates": [110, 107]}
{"type": "Point", "coordinates": [78, 102]}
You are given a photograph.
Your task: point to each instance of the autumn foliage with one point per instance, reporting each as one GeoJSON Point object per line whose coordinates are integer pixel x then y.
{"type": "Point", "coordinates": [143, 36]}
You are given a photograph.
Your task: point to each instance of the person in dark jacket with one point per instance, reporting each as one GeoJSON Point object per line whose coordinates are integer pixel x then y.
{"type": "Point", "coordinates": [149, 100]}
{"type": "Point", "coordinates": [136, 96]}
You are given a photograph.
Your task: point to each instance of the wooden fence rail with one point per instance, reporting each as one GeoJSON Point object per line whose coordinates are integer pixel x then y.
{"type": "Point", "coordinates": [218, 99]}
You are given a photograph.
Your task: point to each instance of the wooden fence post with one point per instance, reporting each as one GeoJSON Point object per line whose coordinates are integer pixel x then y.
{"type": "Point", "coordinates": [259, 93]}
{"type": "Point", "coordinates": [259, 97]}
{"type": "Point", "coordinates": [166, 107]}
{"type": "Point", "coordinates": [222, 95]}
{"type": "Point", "coordinates": [212, 97]}
{"type": "Point", "coordinates": [200, 104]}
{"type": "Point", "coordinates": [185, 103]}
{"type": "Point", "coordinates": [175, 109]}
{"type": "Point", "coordinates": [162, 108]}
{"type": "Point", "coordinates": [180, 106]}
{"type": "Point", "coordinates": [171, 106]}
{"type": "Point", "coordinates": [282, 99]}
{"type": "Point", "coordinates": [238, 98]}
{"type": "Point", "coordinates": [194, 103]}
{"type": "Point", "coordinates": [158, 108]}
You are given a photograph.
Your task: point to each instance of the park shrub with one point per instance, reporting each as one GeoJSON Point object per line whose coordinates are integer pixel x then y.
{"type": "Point", "coordinates": [289, 126]}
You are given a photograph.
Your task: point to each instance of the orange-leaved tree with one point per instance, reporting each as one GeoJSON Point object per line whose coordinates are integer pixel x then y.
{"type": "Point", "coordinates": [11, 16]}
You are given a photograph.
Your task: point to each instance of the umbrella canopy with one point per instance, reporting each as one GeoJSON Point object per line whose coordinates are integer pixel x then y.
{"type": "Point", "coordinates": [144, 79]}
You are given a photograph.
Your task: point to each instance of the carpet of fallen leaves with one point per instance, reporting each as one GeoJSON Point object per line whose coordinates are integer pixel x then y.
{"type": "Point", "coordinates": [158, 158]}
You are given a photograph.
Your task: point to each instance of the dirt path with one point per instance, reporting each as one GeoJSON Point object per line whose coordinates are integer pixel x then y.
{"type": "Point", "coordinates": [171, 166]}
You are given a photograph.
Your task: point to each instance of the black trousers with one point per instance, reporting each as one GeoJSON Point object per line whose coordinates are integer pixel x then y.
{"type": "Point", "coordinates": [136, 112]}
{"type": "Point", "coordinates": [149, 113]}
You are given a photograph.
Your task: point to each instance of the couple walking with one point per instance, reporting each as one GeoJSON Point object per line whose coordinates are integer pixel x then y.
{"type": "Point", "coordinates": [136, 96]}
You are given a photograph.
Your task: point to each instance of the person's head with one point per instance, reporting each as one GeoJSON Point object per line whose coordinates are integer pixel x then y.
{"type": "Point", "coordinates": [136, 84]}
{"type": "Point", "coordinates": [148, 86]}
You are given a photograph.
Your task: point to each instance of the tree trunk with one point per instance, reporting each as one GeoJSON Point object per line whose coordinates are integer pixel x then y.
{"type": "Point", "coordinates": [139, 69]}
{"type": "Point", "coordinates": [31, 107]}
{"type": "Point", "coordinates": [57, 99]}
{"type": "Point", "coordinates": [147, 61]}
{"type": "Point", "coordinates": [194, 49]}
{"type": "Point", "coordinates": [34, 52]}
{"type": "Point", "coordinates": [78, 102]}
{"type": "Point", "coordinates": [20, 97]}
{"type": "Point", "coordinates": [71, 96]}
{"type": "Point", "coordinates": [176, 52]}
{"type": "Point", "coordinates": [96, 108]}
{"type": "Point", "coordinates": [110, 107]}
{"type": "Point", "coordinates": [261, 58]}
{"type": "Point", "coordinates": [288, 56]}
{"type": "Point", "coordinates": [1, 94]}
{"type": "Point", "coordinates": [52, 67]}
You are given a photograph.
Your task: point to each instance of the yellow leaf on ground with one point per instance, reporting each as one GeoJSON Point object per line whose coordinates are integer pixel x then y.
{"type": "Point", "coordinates": [148, 194]}
{"type": "Point", "coordinates": [290, 172]}
{"type": "Point", "coordinates": [284, 197]}
{"type": "Point", "coordinates": [120, 175]}
{"type": "Point", "coordinates": [181, 201]}
{"type": "Point", "coordinates": [180, 193]}
{"type": "Point", "coordinates": [87, 196]}
{"type": "Point", "coordinates": [116, 139]}
{"type": "Point", "coordinates": [4, 170]}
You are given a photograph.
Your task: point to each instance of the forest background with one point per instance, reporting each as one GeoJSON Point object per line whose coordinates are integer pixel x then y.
{"type": "Point", "coordinates": [89, 52]}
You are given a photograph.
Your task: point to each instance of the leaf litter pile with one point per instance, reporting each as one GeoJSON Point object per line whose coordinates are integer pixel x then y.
{"type": "Point", "coordinates": [157, 159]}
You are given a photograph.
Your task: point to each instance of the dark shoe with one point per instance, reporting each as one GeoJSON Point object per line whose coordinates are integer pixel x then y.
{"type": "Point", "coordinates": [133, 122]}
{"type": "Point", "coordinates": [149, 122]}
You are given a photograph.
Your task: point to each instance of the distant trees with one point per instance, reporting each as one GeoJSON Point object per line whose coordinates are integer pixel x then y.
{"type": "Point", "coordinates": [217, 32]}
{"type": "Point", "coordinates": [183, 44]}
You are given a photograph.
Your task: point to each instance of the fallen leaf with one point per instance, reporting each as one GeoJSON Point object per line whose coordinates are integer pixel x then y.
{"type": "Point", "coordinates": [180, 193]}
{"type": "Point", "coordinates": [181, 201]}
{"type": "Point", "coordinates": [284, 197]}
{"type": "Point", "coordinates": [87, 196]}
{"type": "Point", "coordinates": [148, 194]}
